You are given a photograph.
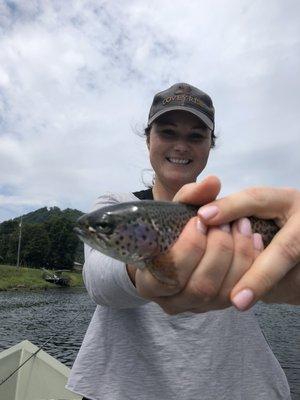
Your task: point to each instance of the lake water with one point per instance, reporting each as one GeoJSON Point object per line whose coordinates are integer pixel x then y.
{"type": "Point", "coordinates": [65, 313]}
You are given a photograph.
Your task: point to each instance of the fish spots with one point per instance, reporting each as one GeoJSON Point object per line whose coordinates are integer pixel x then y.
{"type": "Point", "coordinates": [267, 228]}
{"type": "Point", "coordinates": [134, 240]}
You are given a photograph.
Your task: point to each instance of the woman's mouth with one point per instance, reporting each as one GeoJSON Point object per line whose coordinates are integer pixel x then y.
{"type": "Point", "coordinates": [179, 161]}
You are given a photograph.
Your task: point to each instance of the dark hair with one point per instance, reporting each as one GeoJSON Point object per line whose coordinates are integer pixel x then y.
{"type": "Point", "coordinates": [213, 136]}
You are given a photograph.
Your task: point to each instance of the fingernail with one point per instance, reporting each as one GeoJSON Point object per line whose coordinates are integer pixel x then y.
{"type": "Point", "coordinates": [207, 212]}
{"type": "Point", "coordinates": [242, 300]}
{"type": "Point", "coordinates": [225, 228]}
{"type": "Point", "coordinates": [244, 227]}
{"type": "Point", "coordinates": [200, 226]}
{"type": "Point", "coordinates": [257, 241]}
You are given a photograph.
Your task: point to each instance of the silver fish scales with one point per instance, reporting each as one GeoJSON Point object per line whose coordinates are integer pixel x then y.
{"type": "Point", "coordinates": [139, 232]}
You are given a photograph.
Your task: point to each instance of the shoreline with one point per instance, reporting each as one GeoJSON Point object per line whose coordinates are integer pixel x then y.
{"type": "Point", "coordinates": [31, 279]}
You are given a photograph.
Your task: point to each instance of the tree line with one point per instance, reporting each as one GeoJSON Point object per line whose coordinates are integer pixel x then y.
{"type": "Point", "coordinates": [49, 244]}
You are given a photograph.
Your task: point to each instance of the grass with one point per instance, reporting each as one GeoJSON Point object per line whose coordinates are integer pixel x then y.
{"type": "Point", "coordinates": [13, 278]}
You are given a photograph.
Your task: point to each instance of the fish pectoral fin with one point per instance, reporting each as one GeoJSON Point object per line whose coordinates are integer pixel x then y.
{"type": "Point", "coordinates": [162, 267]}
{"type": "Point", "coordinates": [140, 264]}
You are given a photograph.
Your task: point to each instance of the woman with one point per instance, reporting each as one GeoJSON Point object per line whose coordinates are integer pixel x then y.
{"type": "Point", "coordinates": [135, 348]}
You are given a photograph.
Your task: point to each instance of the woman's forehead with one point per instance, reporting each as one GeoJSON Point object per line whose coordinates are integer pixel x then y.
{"type": "Point", "coordinates": [180, 116]}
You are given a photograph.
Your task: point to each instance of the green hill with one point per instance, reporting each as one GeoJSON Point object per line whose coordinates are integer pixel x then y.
{"type": "Point", "coordinates": [47, 239]}
{"type": "Point", "coordinates": [45, 214]}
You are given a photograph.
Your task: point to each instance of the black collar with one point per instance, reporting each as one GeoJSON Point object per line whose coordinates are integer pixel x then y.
{"type": "Point", "coordinates": [144, 194]}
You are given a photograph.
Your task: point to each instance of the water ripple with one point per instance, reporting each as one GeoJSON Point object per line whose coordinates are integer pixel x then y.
{"type": "Point", "coordinates": [37, 316]}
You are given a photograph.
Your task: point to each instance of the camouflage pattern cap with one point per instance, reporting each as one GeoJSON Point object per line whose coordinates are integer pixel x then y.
{"type": "Point", "coordinates": [183, 96]}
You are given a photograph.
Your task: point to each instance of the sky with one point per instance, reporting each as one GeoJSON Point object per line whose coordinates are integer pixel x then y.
{"type": "Point", "coordinates": [77, 79]}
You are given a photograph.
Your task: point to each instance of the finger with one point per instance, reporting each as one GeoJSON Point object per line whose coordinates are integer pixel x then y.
{"type": "Point", "coordinates": [199, 193]}
{"type": "Point", "coordinates": [267, 203]}
{"type": "Point", "coordinates": [207, 278]}
{"type": "Point", "coordinates": [270, 267]}
{"type": "Point", "coordinates": [243, 256]}
{"type": "Point", "coordinates": [250, 246]}
{"type": "Point", "coordinates": [204, 283]}
{"type": "Point", "coordinates": [258, 244]}
{"type": "Point", "coordinates": [171, 271]}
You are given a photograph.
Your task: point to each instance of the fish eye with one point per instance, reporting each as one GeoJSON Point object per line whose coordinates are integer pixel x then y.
{"type": "Point", "coordinates": [103, 226]}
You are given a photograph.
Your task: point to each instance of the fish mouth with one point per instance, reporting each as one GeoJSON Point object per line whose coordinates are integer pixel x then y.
{"type": "Point", "coordinates": [82, 234]}
{"type": "Point", "coordinates": [90, 236]}
{"type": "Point", "coordinates": [79, 232]}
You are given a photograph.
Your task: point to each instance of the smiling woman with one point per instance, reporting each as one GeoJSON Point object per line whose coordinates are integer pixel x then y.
{"type": "Point", "coordinates": [150, 339]}
{"type": "Point", "coordinates": [179, 147]}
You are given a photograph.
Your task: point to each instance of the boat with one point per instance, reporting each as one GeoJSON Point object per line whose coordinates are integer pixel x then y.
{"type": "Point", "coordinates": [56, 278]}
{"type": "Point", "coordinates": [41, 378]}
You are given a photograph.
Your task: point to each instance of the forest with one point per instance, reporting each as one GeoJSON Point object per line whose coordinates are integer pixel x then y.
{"type": "Point", "coordinates": [47, 239]}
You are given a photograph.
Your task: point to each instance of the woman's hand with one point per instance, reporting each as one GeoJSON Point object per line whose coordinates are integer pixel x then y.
{"type": "Point", "coordinates": [275, 274]}
{"type": "Point", "coordinates": [207, 264]}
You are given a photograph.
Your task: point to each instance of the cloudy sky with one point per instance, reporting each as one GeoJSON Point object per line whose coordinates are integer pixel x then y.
{"type": "Point", "coordinates": [77, 79]}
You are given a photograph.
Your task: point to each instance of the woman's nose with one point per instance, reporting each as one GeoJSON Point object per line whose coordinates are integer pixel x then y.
{"type": "Point", "coordinates": [180, 145]}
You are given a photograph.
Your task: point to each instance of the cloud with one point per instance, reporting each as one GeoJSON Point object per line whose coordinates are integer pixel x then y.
{"type": "Point", "coordinates": [76, 80]}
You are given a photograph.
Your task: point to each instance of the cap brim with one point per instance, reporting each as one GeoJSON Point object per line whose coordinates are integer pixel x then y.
{"type": "Point", "coordinates": [204, 118]}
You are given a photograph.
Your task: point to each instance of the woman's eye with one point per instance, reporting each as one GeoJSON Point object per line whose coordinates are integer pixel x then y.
{"type": "Point", "coordinates": [167, 133]}
{"type": "Point", "coordinates": [196, 137]}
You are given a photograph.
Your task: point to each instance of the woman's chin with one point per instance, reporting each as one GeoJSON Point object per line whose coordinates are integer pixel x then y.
{"type": "Point", "coordinates": [176, 182]}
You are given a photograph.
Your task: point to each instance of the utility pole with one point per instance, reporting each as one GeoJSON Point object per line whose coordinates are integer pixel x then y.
{"type": "Point", "coordinates": [19, 244]}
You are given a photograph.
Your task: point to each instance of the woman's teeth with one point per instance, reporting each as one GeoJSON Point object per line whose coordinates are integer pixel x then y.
{"type": "Point", "coordinates": [178, 161]}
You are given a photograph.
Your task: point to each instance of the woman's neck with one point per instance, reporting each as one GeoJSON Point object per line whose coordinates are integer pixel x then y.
{"type": "Point", "coordinates": [161, 192]}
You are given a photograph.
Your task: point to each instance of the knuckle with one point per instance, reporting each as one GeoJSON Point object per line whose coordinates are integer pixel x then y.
{"type": "Point", "coordinates": [257, 195]}
{"type": "Point", "coordinates": [223, 245]}
{"type": "Point", "coordinates": [199, 246]}
{"type": "Point", "coordinates": [244, 252]}
{"type": "Point", "coordinates": [289, 250]}
{"type": "Point", "coordinates": [265, 281]}
{"type": "Point", "coordinates": [204, 290]}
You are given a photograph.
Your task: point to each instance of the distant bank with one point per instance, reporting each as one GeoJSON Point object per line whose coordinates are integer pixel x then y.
{"type": "Point", "coordinates": [13, 278]}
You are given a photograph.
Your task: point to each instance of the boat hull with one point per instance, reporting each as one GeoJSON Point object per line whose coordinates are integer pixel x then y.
{"type": "Point", "coordinates": [41, 378]}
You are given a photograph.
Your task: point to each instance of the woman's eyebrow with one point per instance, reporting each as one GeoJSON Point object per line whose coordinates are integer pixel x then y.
{"type": "Point", "coordinates": [199, 126]}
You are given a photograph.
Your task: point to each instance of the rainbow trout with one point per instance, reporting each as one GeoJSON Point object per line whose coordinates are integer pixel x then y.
{"type": "Point", "coordinates": [140, 232]}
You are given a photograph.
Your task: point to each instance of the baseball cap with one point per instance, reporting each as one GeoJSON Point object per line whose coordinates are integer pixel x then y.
{"type": "Point", "coordinates": [183, 96]}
